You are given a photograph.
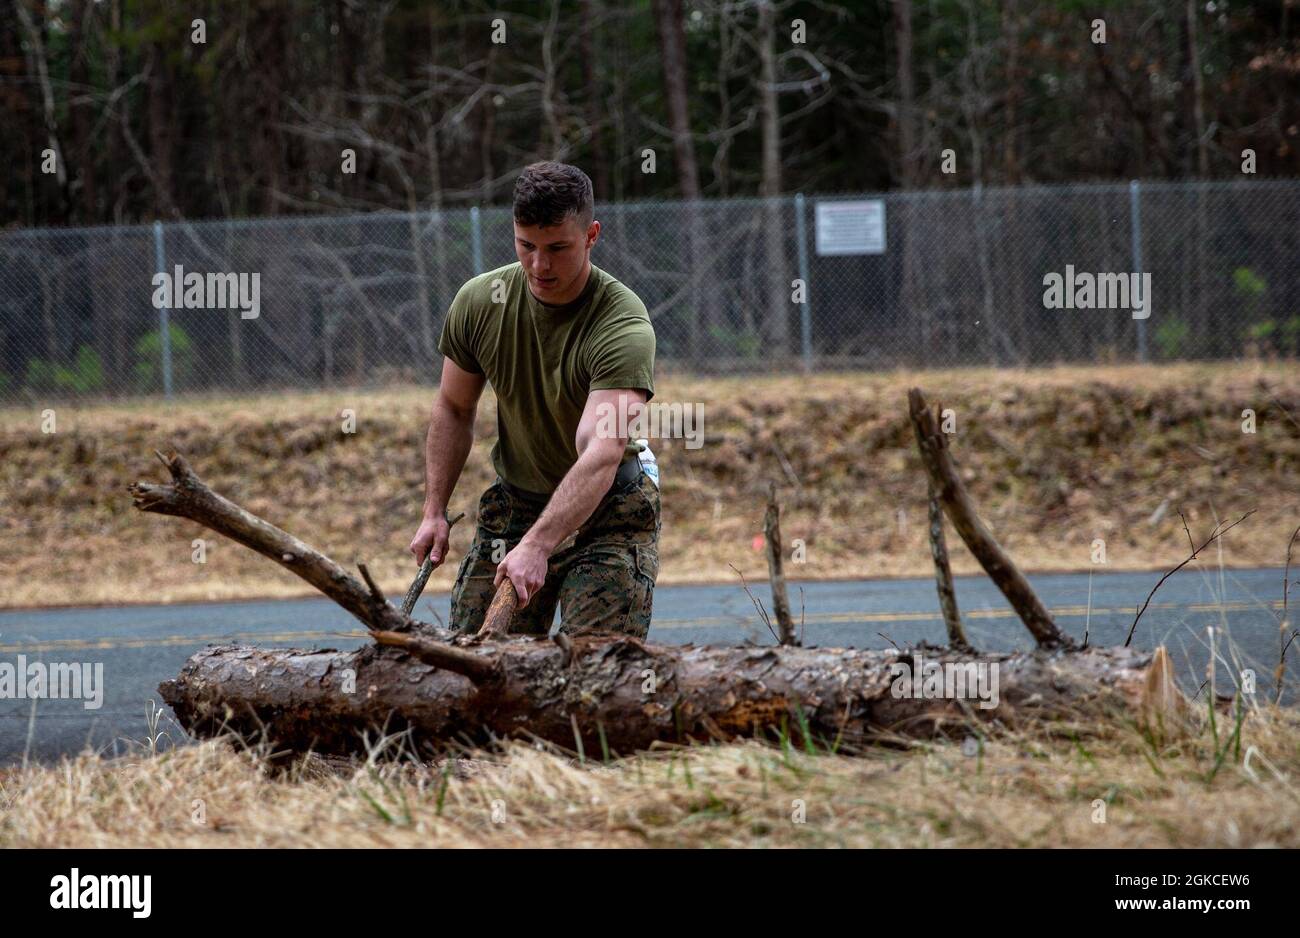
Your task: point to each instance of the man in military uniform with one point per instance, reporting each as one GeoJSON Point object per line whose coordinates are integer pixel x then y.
{"type": "Point", "coordinates": [572, 518]}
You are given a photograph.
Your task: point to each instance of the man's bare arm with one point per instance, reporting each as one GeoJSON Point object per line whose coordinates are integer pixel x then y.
{"type": "Point", "coordinates": [579, 492]}
{"type": "Point", "coordinates": [446, 447]}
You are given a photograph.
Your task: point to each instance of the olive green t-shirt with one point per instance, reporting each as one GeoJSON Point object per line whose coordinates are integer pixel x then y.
{"type": "Point", "coordinates": [542, 361]}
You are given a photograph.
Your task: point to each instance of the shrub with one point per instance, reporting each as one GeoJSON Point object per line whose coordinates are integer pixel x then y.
{"type": "Point", "coordinates": [742, 344]}
{"type": "Point", "coordinates": [148, 358]}
{"type": "Point", "coordinates": [1170, 336]}
{"type": "Point", "coordinates": [1291, 335]}
{"type": "Point", "coordinates": [85, 375]}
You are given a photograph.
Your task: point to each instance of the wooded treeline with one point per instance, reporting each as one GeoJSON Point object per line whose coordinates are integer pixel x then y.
{"type": "Point", "coordinates": [147, 123]}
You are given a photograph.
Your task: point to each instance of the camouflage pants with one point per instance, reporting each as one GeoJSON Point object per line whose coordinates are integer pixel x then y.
{"type": "Point", "coordinates": [603, 578]}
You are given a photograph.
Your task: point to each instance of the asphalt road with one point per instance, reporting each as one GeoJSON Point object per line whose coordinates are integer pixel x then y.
{"type": "Point", "coordinates": [141, 645]}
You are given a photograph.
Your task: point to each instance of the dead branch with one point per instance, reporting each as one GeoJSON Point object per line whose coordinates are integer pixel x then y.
{"type": "Point", "coordinates": [952, 494]}
{"type": "Point", "coordinates": [780, 598]}
{"type": "Point", "coordinates": [943, 575]}
{"type": "Point", "coordinates": [1284, 642]}
{"type": "Point", "coordinates": [1214, 535]}
{"type": "Point", "coordinates": [188, 497]}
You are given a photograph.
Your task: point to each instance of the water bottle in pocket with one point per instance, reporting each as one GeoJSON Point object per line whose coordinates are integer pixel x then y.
{"type": "Point", "coordinates": [648, 461]}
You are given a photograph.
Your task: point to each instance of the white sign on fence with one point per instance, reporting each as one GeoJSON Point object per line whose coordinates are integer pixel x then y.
{"type": "Point", "coordinates": [851, 227]}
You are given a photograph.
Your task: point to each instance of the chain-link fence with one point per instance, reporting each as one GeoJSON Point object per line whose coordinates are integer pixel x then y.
{"type": "Point", "coordinates": [923, 279]}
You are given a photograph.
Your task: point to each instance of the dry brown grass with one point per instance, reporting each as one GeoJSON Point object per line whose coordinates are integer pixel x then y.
{"type": "Point", "coordinates": [1017, 791]}
{"type": "Point", "coordinates": [1054, 457]}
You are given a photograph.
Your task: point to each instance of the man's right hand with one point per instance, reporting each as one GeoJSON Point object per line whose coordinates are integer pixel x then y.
{"type": "Point", "coordinates": [431, 539]}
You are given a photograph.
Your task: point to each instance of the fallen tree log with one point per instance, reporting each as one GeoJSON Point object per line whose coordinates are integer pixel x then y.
{"type": "Point", "coordinates": [602, 691]}
{"type": "Point", "coordinates": [623, 694]}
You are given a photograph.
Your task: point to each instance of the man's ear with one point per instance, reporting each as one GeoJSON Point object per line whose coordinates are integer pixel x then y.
{"type": "Point", "coordinates": [593, 232]}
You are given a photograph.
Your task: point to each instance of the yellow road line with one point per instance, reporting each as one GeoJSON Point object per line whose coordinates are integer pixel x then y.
{"type": "Point", "coordinates": [1007, 613]}
{"type": "Point", "coordinates": [816, 618]}
{"type": "Point", "coordinates": [63, 644]}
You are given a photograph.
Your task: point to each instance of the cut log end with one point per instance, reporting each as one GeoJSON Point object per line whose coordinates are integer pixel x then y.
{"type": "Point", "coordinates": [1162, 709]}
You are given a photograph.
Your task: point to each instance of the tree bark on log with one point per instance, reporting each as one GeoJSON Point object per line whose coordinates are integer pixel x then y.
{"type": "Point", "coordinates": [444, 687]}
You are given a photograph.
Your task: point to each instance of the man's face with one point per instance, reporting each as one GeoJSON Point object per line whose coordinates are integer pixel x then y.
{"type": "Point", "coordinates": [556, 258]}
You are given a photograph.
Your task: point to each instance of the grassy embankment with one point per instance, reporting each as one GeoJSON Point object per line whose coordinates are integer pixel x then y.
{"type": "Point", "coordinates": [1055, 458]}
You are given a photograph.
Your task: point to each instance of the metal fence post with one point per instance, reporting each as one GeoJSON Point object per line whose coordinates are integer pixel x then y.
{"type": "Point", "coordinates": [476, 239]}
{"type": "Point", "coordinates": [164, 327]}
{"type": "Point", "coordinates": [986, 274]}
{"type": "Point", "coordinates": [805, 307]}
{"type": "Point", "coordinates": [1135, 226]}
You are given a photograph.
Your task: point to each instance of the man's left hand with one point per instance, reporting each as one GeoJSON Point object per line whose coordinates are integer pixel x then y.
{"type": "Point", "coordinates": [526, 567]}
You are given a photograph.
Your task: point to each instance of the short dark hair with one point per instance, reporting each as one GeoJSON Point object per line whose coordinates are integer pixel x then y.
{"type": "Point", "coordinates": [547, 193]}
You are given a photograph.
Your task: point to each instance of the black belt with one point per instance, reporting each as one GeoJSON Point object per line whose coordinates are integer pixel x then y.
{"type": "Point", "coordinates": [628, 472]}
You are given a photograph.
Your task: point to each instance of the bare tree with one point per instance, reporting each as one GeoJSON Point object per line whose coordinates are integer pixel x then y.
{"type": "Point", "coordinates": [777, 295]}
{"type": "Point", "coordinates": [672, 47]}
